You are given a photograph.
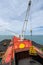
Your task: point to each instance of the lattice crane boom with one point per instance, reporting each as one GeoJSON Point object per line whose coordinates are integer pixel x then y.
{"type": "Point", "coordinates": [26, 20]}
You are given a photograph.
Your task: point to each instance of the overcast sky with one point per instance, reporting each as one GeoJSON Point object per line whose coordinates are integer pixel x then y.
{"type": "Point", "coordinates": [12, 15]}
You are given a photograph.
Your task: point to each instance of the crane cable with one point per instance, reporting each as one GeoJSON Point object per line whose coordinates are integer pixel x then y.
{"type": "Point", "coordinates": [30, 27]}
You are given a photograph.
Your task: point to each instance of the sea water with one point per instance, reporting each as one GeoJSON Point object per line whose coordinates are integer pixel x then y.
{"type": "Point", "coordinates": [36, 38]}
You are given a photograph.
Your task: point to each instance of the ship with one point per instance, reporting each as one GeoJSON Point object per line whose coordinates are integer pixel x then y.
{"type": "Point", "coordinates": [20, 50]}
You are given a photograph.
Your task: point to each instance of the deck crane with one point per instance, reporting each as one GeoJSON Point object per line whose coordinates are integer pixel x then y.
{"type": "Point", "coordinates": [22, 33]}
{"type": "Point", "coordinates": [26, 20]}
{"type": "Point", "coordinates": [24, 25]}
{"type": "Point", "coordinates": [18, 45]}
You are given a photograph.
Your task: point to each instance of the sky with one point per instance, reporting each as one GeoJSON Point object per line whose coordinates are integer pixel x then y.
{"type": "Point", "coordinates": [12, 16]}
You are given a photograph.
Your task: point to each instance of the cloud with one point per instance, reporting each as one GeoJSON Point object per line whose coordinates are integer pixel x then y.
{"type": "Point", "coordinates": [40, 27]}
{"type": "Point", "coordinates": [10, 9]}
{"type": "Point", "coordinates": [37, 19]}
{"type": "Point", "coordinates": [12, 15]}
{"type": "Point", "coordinates": [38, 30]}
{"type": "Point", "coordinates": [10, 28]}
{"type": "Point", "coordinates": [3, 25]}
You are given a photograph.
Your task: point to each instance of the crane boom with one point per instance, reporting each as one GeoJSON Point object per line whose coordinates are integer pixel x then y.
{"type": "Point", "coordinates": [26, 20]}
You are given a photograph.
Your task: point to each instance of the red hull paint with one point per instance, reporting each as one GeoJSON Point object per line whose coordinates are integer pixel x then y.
{"type": "Point", "coordinates": [16, 43]}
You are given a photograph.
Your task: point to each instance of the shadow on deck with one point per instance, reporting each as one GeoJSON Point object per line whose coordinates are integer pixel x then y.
{"type": "Point", "coordinates": [23, 58]}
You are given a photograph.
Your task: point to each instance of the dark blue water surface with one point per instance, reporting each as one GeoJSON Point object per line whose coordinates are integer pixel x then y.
{"type": "Point", "coordinates": [36, 38]}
